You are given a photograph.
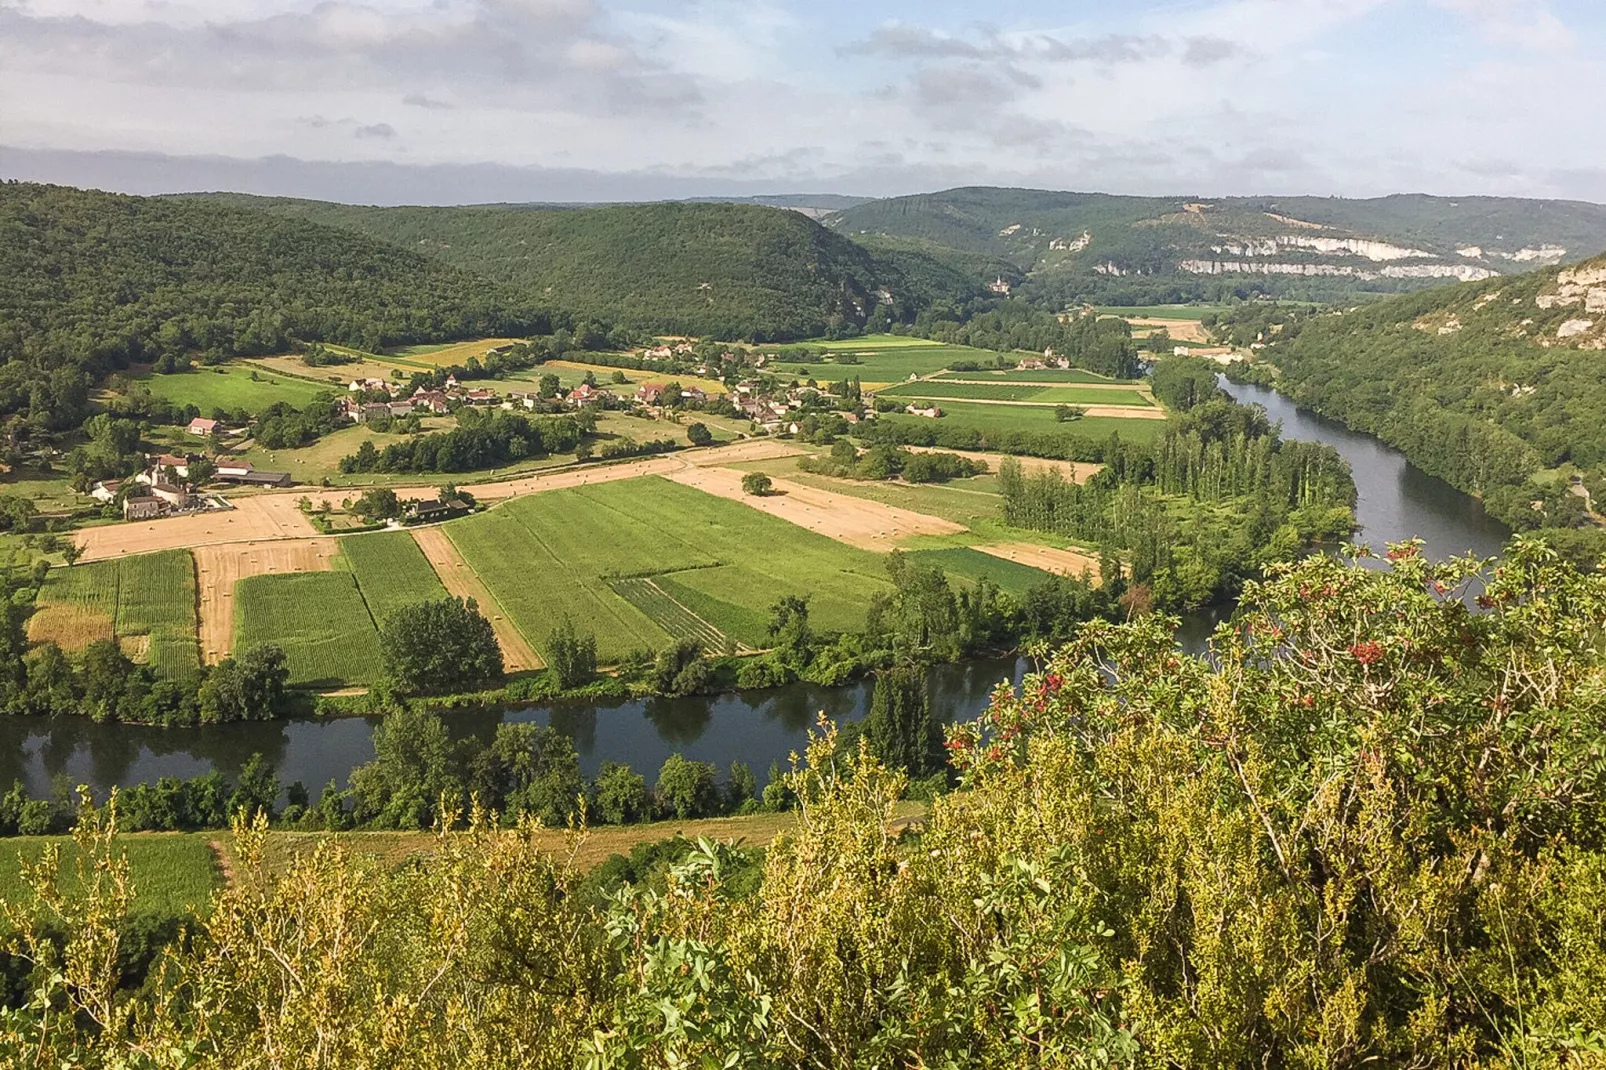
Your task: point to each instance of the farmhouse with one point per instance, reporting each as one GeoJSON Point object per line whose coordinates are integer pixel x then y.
{"type": "Point", "coordinates": [433, 400]}
{"type": "Point", "coordinates": [202, 427]}
{"type": "Point", "coordinates": [430, 511]}
{"type": "Point", "coordinates": [177, 497]}
{"type": "Point", "coordinates": [481, 397]}
{"type": "Point", "coordinates": [930, 412]}
{"type": "Point", "coordinates": [381, 410]}
{"type": "Point", "coordinates": [517, 398]}
{"type": "Point", "coordinates": [650, 393]}
{"type": "Point", "coordinates": [368, 385]}
{"type": "Point", "coordinates": [105, 491]}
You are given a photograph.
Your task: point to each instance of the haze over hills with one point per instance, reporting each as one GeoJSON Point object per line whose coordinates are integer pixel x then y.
{"type": "Point", "coordinates": [731, 270]}
{"type": "Point", "coordinates": [1085, 244]}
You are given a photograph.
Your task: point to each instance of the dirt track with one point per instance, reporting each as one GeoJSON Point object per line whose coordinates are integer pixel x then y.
{"type": "Point", "coordinates": [460, 580]}
{"type": "Point", "coordinates": [1075, 471]}
{"type": "Point", "coordinates": [219, 567]}
{"type": "Point", "coordinates": [1047, 558]}
{"type": "Point", "coordinates": [856, 521]}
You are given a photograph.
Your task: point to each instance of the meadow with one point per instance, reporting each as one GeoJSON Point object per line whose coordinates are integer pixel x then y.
{"type": "Point", "coordinates": [448, 354]}
{"type": "Point", "coordinates": [1161, 312]}
{"type": "Point", "coordinates": [567, 551]}
{"type": "Point", "coordinates": [1041, 395]}
{"type": "Point", "coordinates": [320, 620]}
{"type": "Point", "coordinates": [232, 388]}
{"type": "Point", "coordinates": [146, 602]}
{"type": "Point", "coordinates": [172, 872]}
{"type": "Point", "coordinates": [1039, 419]}
{"type": "Point", "coordinates": [973, 565]}
{"type": "Point", "coordinates": [879, 362]}
{"type": "Point", "coordinates": [391, 571]}
{"type": "Point", "coordinates": [1040, 375]}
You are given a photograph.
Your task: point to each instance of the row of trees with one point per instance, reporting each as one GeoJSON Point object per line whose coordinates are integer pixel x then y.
{"type": "Point", "coordinates": [479, 441]}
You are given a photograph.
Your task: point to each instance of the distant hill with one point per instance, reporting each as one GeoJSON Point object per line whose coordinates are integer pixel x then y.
{"type": "Point", "coordinates": [1096, 246]}
{"type": "Point", "coordinates": [729, 270]}
{"type": "Point", "coordinates": [96, 280]}
{"type": "Point", "coordinates": [1484, 384]}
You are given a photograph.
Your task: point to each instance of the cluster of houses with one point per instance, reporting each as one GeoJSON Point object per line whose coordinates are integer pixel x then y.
{"type": "Point", "coordinates": [398, 404]}
{"type": "Point", "coordinates": [164, 487]}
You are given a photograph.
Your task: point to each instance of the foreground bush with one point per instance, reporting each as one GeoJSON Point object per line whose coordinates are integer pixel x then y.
{"type": "Point", "coordinates": [1367, 832]}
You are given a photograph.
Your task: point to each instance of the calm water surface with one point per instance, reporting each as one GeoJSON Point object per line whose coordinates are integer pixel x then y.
{"type": "Point", "coordinates": [1397, 501]}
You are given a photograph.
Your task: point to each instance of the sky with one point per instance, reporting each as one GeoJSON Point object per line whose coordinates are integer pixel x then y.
{"type": "Point", "coordinates": [461, 101]}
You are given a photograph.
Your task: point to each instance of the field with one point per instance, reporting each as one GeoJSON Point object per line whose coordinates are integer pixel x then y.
{"type": "Point", "coordinates": [230, 387]}
{"type": "Point", "coordinates": [718, 560]}
{"type": "Point", "coordinates": [875, 341]}
{"type": "Point", "coordinates": [449, 354]}
{"type": "Point", "coordinates": [572, 373]}
{"type": "Point", "coordinates": [1039, 375]}
{"type": "Point", "coordinates": [962, 561]}
{"type": "Point", "coordinates": [883, 359]}
{"type": "Point", "coordinates": [1161, 312]}
{"type": "Point", "coordinates": [320, 620]}
{"type": "Point", "coordinates": [1039, 419]}
{"type": "Point", "coordinates": [172, 872]}
{"type": "Point", "coordinates": [391, 571]}
{"type": "Point", "coordinates": [147, 603]}
{"type": "Point", "coordinates": [1019, 392]}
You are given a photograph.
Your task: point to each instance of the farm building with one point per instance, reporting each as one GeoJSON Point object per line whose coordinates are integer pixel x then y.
{"type": "Point", "coordinates": [177, 497]}
{"type": "Point", "coordinates": [433, 400]}
{"type": "Point", "coordinates": [367, 385]}
{"type": "Point", "coordinates": [202, 427]}
{"type": "Point", "coordinates": [426, 512]}
{"type": "Point", "coordinates": [143, 508]}
{"type": "Point", "coordinates": [245, 475]}
{"type": "Point", "coordinates": [106, 490]}
{"type": "Point", "coordinates": [650, 393]}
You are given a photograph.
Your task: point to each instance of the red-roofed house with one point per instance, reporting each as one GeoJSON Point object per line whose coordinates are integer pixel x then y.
{"type": "Point", "coordinates": [202, 427]}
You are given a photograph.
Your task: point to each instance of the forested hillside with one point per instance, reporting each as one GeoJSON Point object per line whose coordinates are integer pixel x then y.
{"type": "Point", "coordinates": [1484, 384]}
{"type": "Point", "coordinates": [91, 281]}
{"type": "Point", "coordinates": [728, 270]}
{"type": "Point", "coordinates": [1090, 246]}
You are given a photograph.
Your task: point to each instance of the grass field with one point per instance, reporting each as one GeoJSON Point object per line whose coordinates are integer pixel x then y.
{"type": "Point", "coordinates": [391, 571]}
{"type": "Point", "coordinates": [875, 341]}
{"type": "Point", "coordinates": [1045, 395]}
{"type": "Point", "coordinates": [230, 386]}
{"type": "Point", "coordinates": [1161, 312]}
{"type": "Point", "coordinates": [566, 551]}
{"type": "Point", "coordinates": [994, 418]}
{"type": "Point", "coordinates": [448, 354]}
{"type": "Point", "coordinates": [320, 620]}
{"type": "Point", "coordinates": [1041, 375]}
{"type": "Point", "coordinates": [961, 561]}
{"type": "Point", "coordinates": [172, 872]}
{"type": "Point", "coordinates": [146, 602]}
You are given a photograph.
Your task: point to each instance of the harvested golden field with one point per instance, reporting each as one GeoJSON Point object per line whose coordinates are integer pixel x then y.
{"type": "Point", "coordinates": [1075, 471]}
{"type": "Point", "coordinates": [71, 627]}
{"type": "Point", "coordinates": [869, 525]}
{"type": "Point", "coordinates": [264, 516]}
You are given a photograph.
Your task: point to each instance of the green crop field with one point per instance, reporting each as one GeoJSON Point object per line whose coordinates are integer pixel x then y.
{"type": "Point", "coordinates": [1042, 395]}
{"type": "Point", "coordinates": [566, 551]}
{"type": "Point", "coordinates": [1161, 312]}
{"type": "Point", "coordinates": [320, 620]}
{"type": "Point", "coordinates": [1038, 419]}
{"type": "Point", "coordinates": [670, 614]}
{"type": "Point", "coordinates": [962, 561]}
{"type": "Point", "coordinates": [391, 571]}
{"type": "Point", "coordinates": [156, 598]}
{"type": "Point", "coordinates": [1041, 375]}
{"type": "Point", "coordinates": [146, 602]}
{"type": "Point", "coordinates": [172, 872]}
{"type": "Point", "coordinates": [875, 341]}
{"type": "Point", "coordinates": [230, 387]}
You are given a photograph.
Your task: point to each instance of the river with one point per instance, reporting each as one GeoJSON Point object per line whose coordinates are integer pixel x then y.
{"type": "Point", "coordinates": [1396, 501]}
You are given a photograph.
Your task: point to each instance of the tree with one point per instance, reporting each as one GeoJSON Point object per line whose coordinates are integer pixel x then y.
{"type": "Point", "coordinates": [378, 503]}
{"type": "Point", "coordinates": [251, 687]}
{"type": "Point", "coordinates": [900, 728]}
{"type": "Point", "coordinates": [687, 789]}
{"type": "Point", "coordinates": [547, 387]}
{"type": "Point", "coordinates": [256, 790]}
{"type": "Point", "coordinates": [439, 646]}
{"type": "Point", "coordinates": [789, 632]}
{"type": "Point", "coordinates": [757, 484]}
{"type": "Point", "coordinates": [201, 470]}
{"type": "Point", "coordinates": [699, 434]}
{"type": "Point", "coordinates": [71, 552]}
{"type": "Point", "coordinates": [1067, 413]}
{"type": "Point", "coordinates": [412, 768]}
{"type": "Point", "coordinates": [571, 656]}
{"type": "Point", "coordinates": [680, 669]}
{"type": "Point", "coordinates": [621, 794]}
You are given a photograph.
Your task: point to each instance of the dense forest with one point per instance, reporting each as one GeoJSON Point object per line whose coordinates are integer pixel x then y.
{"type": "Point", "coordinates": [732, 271]}
{"type": "Point", "coordinates": [1367, 832]}
{"type": "Point", "coordinates": [91, 282]}
{"type": "Point", "coordinates": [1492, 386]}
